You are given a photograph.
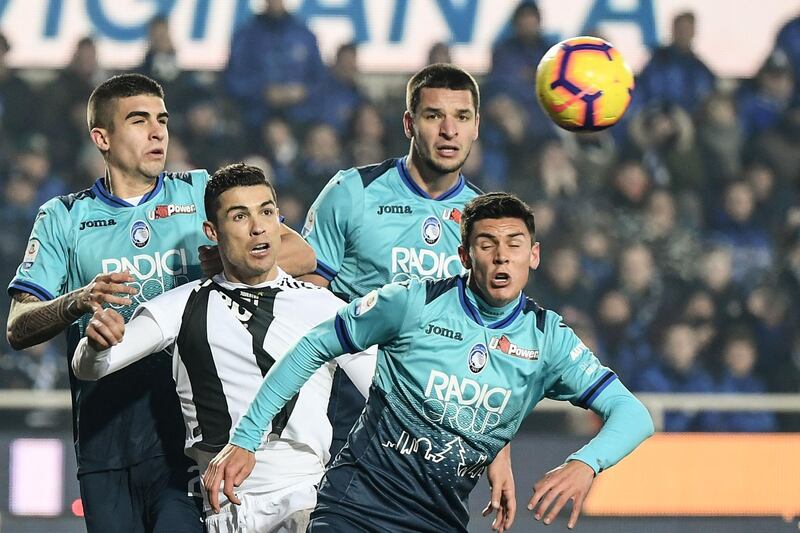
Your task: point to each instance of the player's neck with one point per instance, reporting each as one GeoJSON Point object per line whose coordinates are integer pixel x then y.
{"type": "Point", "coordinates": [252, 280]}
{"type": "Point", "coordinates": [434, 183]}
{"type": "Point", "coordinates": [491, 310]}
{"type": "Point", "coordinates": [124, 185]}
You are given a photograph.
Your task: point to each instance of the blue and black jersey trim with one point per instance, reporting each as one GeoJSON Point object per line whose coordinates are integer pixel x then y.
{"type": "Point", "coordinates": [411, 184]}
{"type": "Point", "coordinates": [31, 288]}
{"type": "Point", "coordinates": [99, 189]}
{"type": "Point", "coordinates": [512, 316]}
{"type": "Point", "coordinates": [185, 177]}
{"type": "Point", "coordinates": [344, 336]}
{"type": "Point", "coordinates": [434, 289]}
{"type": "Point", "coordinates": [325, 271]}
{"type": "Point", "coordinates": [592, 392]}
{"type": "Point", "coordinates": [69, 199]}
{"type": "Point", "coordinates": [370, 173]}
{"type": "Point", "coordinates": [541, 315]}
{"type": "Point", "coordinates": [474, 314]}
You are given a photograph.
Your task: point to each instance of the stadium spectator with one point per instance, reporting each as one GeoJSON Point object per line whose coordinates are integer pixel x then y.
{"type": "Point", "coordinates": [716, 276]}
{"type": "Point", "coordinates": [210, 140]}
{"type": "Point", "coordinates": [320, 158]}
{"type": "Point", "coordinates": [366, 138]}
{"type": "Point", "coordinates": [674, 74]}
{"type": "Point", "coordinates": [677, 369]}
{"type": "Point", "coordinates": [779, 147]}
{"type": "Point", "coordinates": [66, 99]}
{"type": "Point", "coordinates": [720, 138]}
{"type": "Point", "coordinates": [675, 247]}
{"type": "Point", "coordinates": [19, 102]}
{"type": "Point", "coordinates": [624, 341]}
{"type": "Point", "coordinates": [439, 53]}
{"type": "Point", "coordinates": [761, 100]}
{"type": "Point", "coordinates": [513, 119]}
{"type": "Point", "coordinates": [788, 42]}
{"type": "Point", "coordinates": [560, 285]}
{"type": "Point", "coordinates": [733, 225]}
{"type": "Point", "coordinates": [161, 63]}
{"type": "Point", "coordinates": [739, 359]}
{"type": "Point", "coordinates": [625, 200]}
{"type": "Point", "coordinates": [274, 67]}
{"type": "Point", "coordinates": [339, 95]}
{"type": "Point", "coordinates": [664, 139]}
{"type": "Point", "coordinates": [279, 144]}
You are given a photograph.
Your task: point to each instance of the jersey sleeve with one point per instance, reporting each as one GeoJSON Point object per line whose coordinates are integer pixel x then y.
{"type": "Point", "coordinates": [332, 220]}
{"type": "Point", "coordinates": [43, 271]}
{"type": "Point", "coordinates": [574, 372]}
{"type": "Point", "coordinates": [377, 317]}
{"type": "Point", "coordinates": [167, 310]}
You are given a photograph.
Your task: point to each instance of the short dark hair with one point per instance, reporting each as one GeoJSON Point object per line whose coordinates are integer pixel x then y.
{"type": "Point", "coordinates": [441, 76]}
{"type": "Point", "coordinates": [495, 205]}
{"type": "Point", "coordinates": [228, 177]}
{"type": "Point", "coordinates": [100, 109]}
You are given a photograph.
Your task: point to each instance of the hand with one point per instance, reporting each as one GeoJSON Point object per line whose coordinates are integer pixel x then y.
{"type": "Point", "coordinates": [230, 467]}
{"type": "Point", "coordinates": [103, 289]}
{"type": "Point", "coordinates": [210, 261]}
{"type": "Point", "coordinates": [570, 481]}
{"type": "Point", "coordinates": [503, 500]}
{"type": "Point", "coordinates": [105, 329]}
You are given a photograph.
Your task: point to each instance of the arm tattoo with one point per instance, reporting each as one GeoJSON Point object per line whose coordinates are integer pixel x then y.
{"type": "Point", "coordinates": [32, 321]}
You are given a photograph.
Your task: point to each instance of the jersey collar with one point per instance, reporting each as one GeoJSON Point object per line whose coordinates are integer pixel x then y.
{"type": "Point", "coordinates": [472, 312]}
{"type": "Point", "coordinates": [406, 178]}
{"type": "Point", "coordinates": [99, 188]}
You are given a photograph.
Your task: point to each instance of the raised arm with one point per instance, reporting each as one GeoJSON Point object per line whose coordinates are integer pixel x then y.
{"type": "Point", "coordinates": [110, 344]}
{"type": "Point", "coordinates": [32, 321]}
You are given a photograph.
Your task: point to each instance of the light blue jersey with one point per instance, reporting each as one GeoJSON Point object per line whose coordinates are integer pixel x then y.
{"type": "Point", "coordinates": [374, 225]}
{"type": "Point", "coordinates": [450, 391]}
{"type": "Point", "coordinates": [126, 417]}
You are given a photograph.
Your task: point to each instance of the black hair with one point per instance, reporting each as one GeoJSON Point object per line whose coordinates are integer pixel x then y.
{"type": "Point", "coordinates": [495, 205]}
{"type": "Point", "coordinates": [100, 110]}
{"type": "Point", "coordinates": [228, 177]}
{"type": "Point", "coordinates": [441, 76]}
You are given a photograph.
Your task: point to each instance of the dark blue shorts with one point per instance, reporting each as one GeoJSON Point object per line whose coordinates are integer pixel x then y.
{"type": "Point", "coordinates": [152, 496]}
{"type": "Point", "coordinates": [344, 408]}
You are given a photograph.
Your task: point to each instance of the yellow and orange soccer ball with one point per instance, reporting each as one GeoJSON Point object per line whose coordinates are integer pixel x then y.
{"type": "Point", "coordinates": [584, 84]}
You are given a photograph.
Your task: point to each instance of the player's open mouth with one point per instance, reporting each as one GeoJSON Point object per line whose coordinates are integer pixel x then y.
{"type": "Point", "coordinates": [447, 150]}
{"type": "Point", "coordinates": [158, 152]}
{"type": "Point", "coordinates": [260, 250]}
{"type": "Point", "coordinates": [501, 279]}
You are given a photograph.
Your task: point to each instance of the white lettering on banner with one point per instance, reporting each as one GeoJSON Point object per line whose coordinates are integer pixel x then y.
{"type": "Point", "coordinates": [463, 404]}
{"type": "Point", "coordinates": [423, 264]}
{"type": "Point", "coordinates": [392, 36]}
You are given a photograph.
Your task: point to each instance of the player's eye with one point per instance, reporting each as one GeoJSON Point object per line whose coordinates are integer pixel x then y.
{"type": "Point", "coordinates": [238, 216]}
{"type": "Point", "coordinates": [268, 211]}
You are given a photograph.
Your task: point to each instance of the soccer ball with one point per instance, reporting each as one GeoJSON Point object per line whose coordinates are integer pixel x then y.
{"type": "Point", "coordinates": [584, 84]}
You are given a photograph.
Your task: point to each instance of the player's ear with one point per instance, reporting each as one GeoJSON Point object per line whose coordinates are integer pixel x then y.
{"type": "Point", "coordinates": [210, 230]}
{"type": "Point", "coordinates": [408, 124]}
{"type": "Point", "coordinates": [534, 264]}
{"type": "Point", "coordinates": [477, 126]}
{"type": "Point", "coordinates": [100, 138]}
{"type": "Point", "coordinates": [463, 254]}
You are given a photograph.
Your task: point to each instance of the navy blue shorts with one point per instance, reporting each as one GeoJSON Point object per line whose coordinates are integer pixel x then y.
{"type": "Point", "coordinates": [344, 408]}
{"type": "Point", "coordinates": [152, 496]}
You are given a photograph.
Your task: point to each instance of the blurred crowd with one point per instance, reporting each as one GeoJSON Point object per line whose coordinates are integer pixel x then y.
{"type": "Point", "coordinates": [670, 242]}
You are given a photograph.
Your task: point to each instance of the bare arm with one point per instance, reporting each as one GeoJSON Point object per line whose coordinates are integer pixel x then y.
{"type": "Point", "coordinates": [32, 321]}
{"type": "Point", "coordinates": [295, 257]}
{"type": "Point", "coordinates": [316, 279]}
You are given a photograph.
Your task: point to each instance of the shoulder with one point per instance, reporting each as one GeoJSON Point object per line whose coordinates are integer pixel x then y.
{"type": "Point", "coordinates": [369, 173]}
{"type": "Point", "coordinates": [471, 189]}
{"type": "Point", "coordinates": [66, 202]}
{"type": "Point", "coordinates": [192, 178]}
{"type": "Point", "coordinates": [541, 315]}
{"type": "Point", "coordinates": [436, 288]}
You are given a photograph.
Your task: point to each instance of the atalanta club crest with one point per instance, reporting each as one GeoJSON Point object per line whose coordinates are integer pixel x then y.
{"type": "Point", "coordinates": [140, 234]}
{"type": "Point", "coordinates": [431, 230]}
{"type": "Point", "coordinates": [478, 356]}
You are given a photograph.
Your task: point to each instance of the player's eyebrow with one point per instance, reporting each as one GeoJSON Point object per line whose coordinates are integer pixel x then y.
{"type": "Point", "coordinates": [146, 114]}
{"type": "Point", "coordinates": [245, 208]}
{"type": "Point", "coordinates": [496, 238]}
